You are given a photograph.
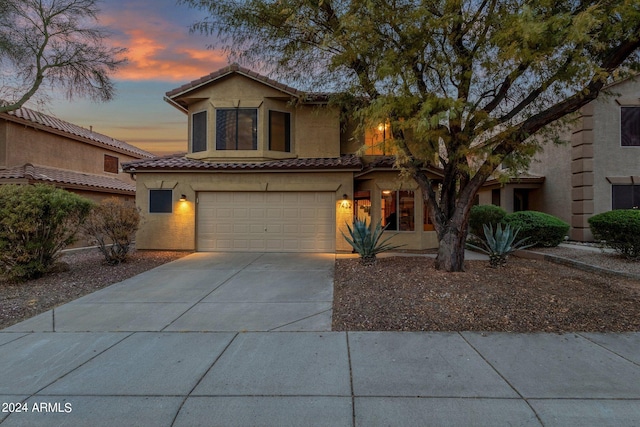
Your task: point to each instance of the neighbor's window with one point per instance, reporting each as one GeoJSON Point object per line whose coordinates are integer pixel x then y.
{"type": "Point", "coordinates": [110, 164]}
{"type": "Point", "coordinates": [630, 126]}
{"type": "Point", "coordinates": [237, 129]}
{"type": "Point", "coordinates": [199, 132]}
{"type": "Point", "coordinates": [625, 196]}
{"type": "Point", "coordinates": [398, 210]}
{"type": "Point", "coordinates": [160, 201]}
{"type": "Point", "coordinates": [279, 131]}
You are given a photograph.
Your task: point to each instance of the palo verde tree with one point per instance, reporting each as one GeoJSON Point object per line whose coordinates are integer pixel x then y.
{"type": "Point", "coordinates": [464, 84]}
{"type": "Point", "coordinates": [54, 44]}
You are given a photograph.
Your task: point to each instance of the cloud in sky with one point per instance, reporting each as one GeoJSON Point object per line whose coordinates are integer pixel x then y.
{"type": "Point", "coordinates": [163, 55]}
{"type": "Point", "coordinates": [160, 46]}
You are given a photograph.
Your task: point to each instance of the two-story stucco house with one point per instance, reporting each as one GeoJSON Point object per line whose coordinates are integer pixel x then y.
{"type": "Point", "coordinates": [38, 148]}
{"type": "Point", "coordinates": [269, 168]}
{"type": "Point", "coordinates": [596, 170]}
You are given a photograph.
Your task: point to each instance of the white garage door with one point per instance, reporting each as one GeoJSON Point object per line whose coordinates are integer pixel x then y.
{"type": "Point", "coordinates": [266, 221]}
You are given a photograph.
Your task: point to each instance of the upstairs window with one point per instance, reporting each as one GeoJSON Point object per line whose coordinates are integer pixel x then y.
{"type": "Point", "coordinates": [237, 129]}
{"type": "Point", "coordinates": [377, 141]}
{"type": "Point", "coordinates": [111, 164]}
{"type": "Point", "coordinates": [279, 131]}
{"type": "Point", "coordinates": [199, 132]}
{"type": "Point", "coordinates": [630, 126]}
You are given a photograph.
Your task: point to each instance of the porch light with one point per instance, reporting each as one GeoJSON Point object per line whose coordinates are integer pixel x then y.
{"type": "Point", "coordinates": [183, 198]}
{"type": "Point", "coordinates": [345, 202]}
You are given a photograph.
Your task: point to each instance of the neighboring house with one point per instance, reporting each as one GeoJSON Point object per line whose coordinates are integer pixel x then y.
{"type": "Point", "coordinates": [597, 170]}
{"type": "Point", "coordinates": [37, 148]}
{"type": "Point", "coordinates": [269, 168]}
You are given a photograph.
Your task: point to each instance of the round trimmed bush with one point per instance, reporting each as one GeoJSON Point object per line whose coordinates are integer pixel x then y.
{"type": "Point", "coordinates": [619, 229]}
{"type": "Point", "coordinates": [541, 228]}
{"type": "Point", "coordinates": [484, 214]}
{"type": "Point", "coordinates": [36, 223]}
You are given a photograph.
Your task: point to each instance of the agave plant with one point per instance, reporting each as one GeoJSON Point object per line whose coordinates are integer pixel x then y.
{"type": "Point", "coordinates": [366, 242]}
{"type": "Point", "coordinates": [500, 244]}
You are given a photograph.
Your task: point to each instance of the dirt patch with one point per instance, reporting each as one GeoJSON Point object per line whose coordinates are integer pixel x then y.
{"type": "Point", "coordinates": [408, 294]}
{"type": "Point", "coordinates": [80, 273]}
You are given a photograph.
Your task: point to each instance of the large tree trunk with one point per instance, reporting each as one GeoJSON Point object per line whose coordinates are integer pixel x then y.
{"type": "Point", "coordinates": [451, 250]}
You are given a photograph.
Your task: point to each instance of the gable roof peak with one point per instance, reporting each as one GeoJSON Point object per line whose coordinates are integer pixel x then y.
{"type": "Point", "coordinates": [233, 68]}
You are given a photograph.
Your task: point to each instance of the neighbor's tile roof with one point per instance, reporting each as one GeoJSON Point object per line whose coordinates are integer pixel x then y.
{"type": "Point", "coordinates": [180, 162]}
{"type": "Point", "coordinates": [237, 69]}
{"type": "Point", "coordinates": [66, 178]}
{"type": "Point", "coordinates": [24, 115]}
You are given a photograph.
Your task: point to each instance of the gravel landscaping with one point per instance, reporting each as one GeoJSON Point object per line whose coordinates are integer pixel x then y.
{"type": "Point", "coordinates": [79, 273]}
{"type": "Point", "coordinates": [408, 294]}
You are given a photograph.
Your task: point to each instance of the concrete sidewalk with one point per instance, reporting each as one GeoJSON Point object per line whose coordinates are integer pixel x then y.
{"type": "Point", "coordinates": [161, 350]}
{"type": "Point", "coordinates": [324, 379]}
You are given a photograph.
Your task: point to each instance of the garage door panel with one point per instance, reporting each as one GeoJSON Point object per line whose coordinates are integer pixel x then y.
{"type": "Point", "coordinates": [266, 221]}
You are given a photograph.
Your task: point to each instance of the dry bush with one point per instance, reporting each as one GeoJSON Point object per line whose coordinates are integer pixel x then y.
{"type": "Point", "coordinates": [112, 226]}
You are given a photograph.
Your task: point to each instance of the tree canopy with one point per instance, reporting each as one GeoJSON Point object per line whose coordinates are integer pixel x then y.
{"type": "Point", "coordinates": [464, 84]}
{"type": "Point", "coordinates": [54, 44]}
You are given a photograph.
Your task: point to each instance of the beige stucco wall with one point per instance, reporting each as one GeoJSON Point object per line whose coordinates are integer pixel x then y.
{"type": "Point", "coordinates": [177, 230]}
{"type": "Point", "coordinates": [578, 174]}
{"type": "Point", "coordinates": [554, 163]}
{"type": "Point", "coordinates": [22, 144]}
{"type": "Point", "coordinates": [610, 158]}
{"type": "Point", "coordinates": [315, 129]}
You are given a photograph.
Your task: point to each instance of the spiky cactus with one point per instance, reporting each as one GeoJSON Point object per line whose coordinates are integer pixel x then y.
{"type": "Point", "coordinates": [366, 242]}
{"type": "Point", "coordinates": [500, 244]}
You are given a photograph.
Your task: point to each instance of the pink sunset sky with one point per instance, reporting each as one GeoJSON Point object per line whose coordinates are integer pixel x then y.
{"type": "Point", "coordinates": [162, 55]}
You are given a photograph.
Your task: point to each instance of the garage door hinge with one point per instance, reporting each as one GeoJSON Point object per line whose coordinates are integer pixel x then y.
{"type": "Point", "coordinates": [197, 200]}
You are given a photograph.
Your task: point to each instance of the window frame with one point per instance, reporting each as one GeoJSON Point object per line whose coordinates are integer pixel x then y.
{"type": "Point", "coordinates": [635, 195]}
{"type": "Point", "coordinates": [256, 116]}
{"type": "Point", "coordinates": [162, 203]}
{"type": "Point", "coordinates": [287, 131]}
{"type": "Point", "coordinates": [635, 137]}
{"type": "Point", "coordinates": [193, 129]}
{"type": "Point", "coordinates": [398, 211]}
{"type": "Point", "coordinates": [111, 164]}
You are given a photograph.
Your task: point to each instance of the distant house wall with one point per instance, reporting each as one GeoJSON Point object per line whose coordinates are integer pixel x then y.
{"type": "Point", "coordinates": [23, 144]}
{"type": "Point", "coordinates": [579, 175]}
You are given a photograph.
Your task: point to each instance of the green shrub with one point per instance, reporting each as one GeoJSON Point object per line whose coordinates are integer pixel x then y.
{"type": "Point", "coordinates": [36, 223]}
{"type": "Point", "coordinates": [484, 215]}
{"type": "Point", "coordinates": [618, 229]}
{"type": "Point", "coordinates": [366, 242]}
{"type": "Point", "coordinates": [500, 244]}
{"type": "Point", "coordinates": [112, 226]}
{"type": "Point", "coordinates": [542, 229]}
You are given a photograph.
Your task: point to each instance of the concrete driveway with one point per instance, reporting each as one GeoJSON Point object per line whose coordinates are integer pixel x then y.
{"type": "Point", "coordinates": [207, 292]}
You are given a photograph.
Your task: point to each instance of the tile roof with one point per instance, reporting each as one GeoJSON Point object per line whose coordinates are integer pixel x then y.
{"type": "Point", "coordinates": [34, 173]}
{"type": "Point", "coordinates": [180, 162]}
{"type": "Point", "coordinates": [27, 115]}
{"type": "Point", "coordinates": [237, 69]}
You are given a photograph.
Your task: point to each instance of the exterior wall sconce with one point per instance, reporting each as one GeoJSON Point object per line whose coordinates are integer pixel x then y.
{"type": "Point", "coordinates": [183, 198]}
{"type": "Point", "coordinates": [345, 204]}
